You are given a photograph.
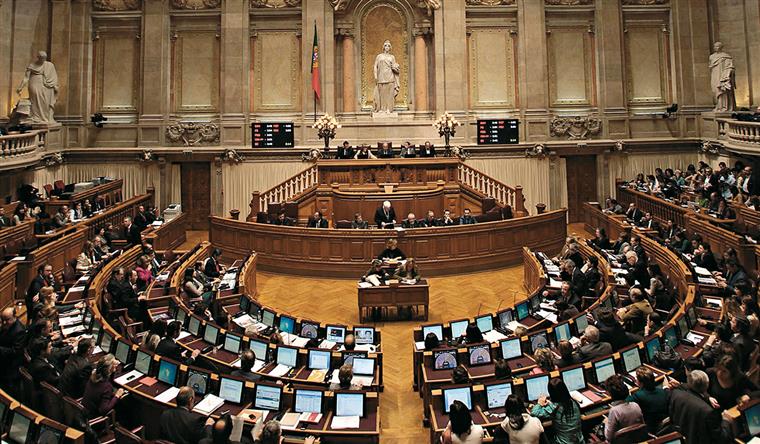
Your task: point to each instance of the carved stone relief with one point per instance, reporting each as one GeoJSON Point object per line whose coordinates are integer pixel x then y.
{"type": "Point", "coordinates": [569, 2]}
{"type": "Point", "coordinates": [275, 3]}
{"type": "Point", "coordinates": [428, 5]}
{"type": "Point", "coordinates": [196, 4]}
{"type": "Point", "coordinates": [116, 5]}
{"type": "Point", "coordinates": [575, 128]}
{"type": "Point", "coordinates": [193, 133]}
{"type": "Point", "coordinates": [646, 2]}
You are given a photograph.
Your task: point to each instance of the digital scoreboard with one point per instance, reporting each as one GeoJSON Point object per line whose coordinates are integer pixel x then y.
{"type": "Point", "coordinates": [272, 134]}
{"type": "Point", "coordinates": [498, 131]}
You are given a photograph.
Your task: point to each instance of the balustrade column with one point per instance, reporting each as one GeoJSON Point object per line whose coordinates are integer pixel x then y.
{"type": "Point", "coordinates": [349, 69]}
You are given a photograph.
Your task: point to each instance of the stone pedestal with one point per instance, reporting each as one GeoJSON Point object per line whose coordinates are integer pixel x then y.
{"type": "Point", "coordinates": [385, 116]}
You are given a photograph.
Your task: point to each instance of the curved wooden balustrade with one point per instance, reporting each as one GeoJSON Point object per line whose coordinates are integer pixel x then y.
{"type": "Point", "coordinates": [347, 253]}
{"type": "Point", "coordinates": [287, 190]}
{"type": "Point", "coordinates": [504, 194]}
{"type": "Point", "coordinates": [38, 420]}
{"type": "Point", "coordinates": [742, 135]}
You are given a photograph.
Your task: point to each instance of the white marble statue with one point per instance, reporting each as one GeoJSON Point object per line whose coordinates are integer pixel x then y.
{"type": "Point", "coordinates": [42, 80]}
{"type": "Point", "coordinates": [386, 80]}
{"type": "Point", "coordinates": [722, 79]}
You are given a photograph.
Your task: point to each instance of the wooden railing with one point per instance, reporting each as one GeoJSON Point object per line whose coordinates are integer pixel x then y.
{"type": "Point", "coordinates": [504, 194]}
{"type": "Point", "coordinates": [284, 191]}
{"type": "Point", "coordinates": [736, 132]}
{"type": "Point", "coordinates": [17, 144]}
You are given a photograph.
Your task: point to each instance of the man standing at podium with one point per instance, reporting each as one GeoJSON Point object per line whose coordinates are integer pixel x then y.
{"type": "Point", "coordinates": [385, 216]}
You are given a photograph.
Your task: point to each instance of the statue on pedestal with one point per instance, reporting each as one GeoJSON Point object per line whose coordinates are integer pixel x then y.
{"type": "Point", "coordinates": [42, 80]}
{"type": "Point", "coordinates": [722, 79]}
{"type": "Point", "coordinates": [387, 80]}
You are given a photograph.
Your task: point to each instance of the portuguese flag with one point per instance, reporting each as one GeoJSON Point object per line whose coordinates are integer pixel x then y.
{"type": "Point", "coordinates": [315, 83]}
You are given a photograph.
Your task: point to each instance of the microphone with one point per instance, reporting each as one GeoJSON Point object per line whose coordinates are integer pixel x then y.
{"type": "Point", "coordinates": [479, 307]}
{"type": "Point", "coordinates": [499, 306]}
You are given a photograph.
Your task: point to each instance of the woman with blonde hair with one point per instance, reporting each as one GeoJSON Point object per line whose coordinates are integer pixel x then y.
{"type": "Point", "coordinates": [45, 308]}
{"type": "Point", "coordinates": [86, 259]}
{"type": "Point", "coordinates": [544, 360]}
{"type": "Point", "coordinates": [99, 395]}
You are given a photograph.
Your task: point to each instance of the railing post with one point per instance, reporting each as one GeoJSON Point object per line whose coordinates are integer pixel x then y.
{"type": "Point", "coordinates": [255, 206]}
{"type": "Point", "coordinates": [519, 202]}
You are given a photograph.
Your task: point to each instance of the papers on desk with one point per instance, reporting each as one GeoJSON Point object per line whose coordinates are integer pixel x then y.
{"type": "Point", "coordinates": [619, 271]}
{"type": "Point", "coordinates": [408, 281]}
{"type": "Point", "coordinates": [258, 365]}
{"type": "Point", "coordinates": [18, 259]}
{"type": "Point", "coordinates": [365, 285]}
{"type": "Point", "coordinates": [280, 370]}
{"type": "Point", "coordinates": [419, 345]}
{"type": "Point", "coordinates": [327, 344]}
{"type": "Point", "coordinates": [208, 404]}
{"type": "Point", "coordinates": [512, 325]}
{"type": "Point", "coordinates": [77, 288]}
{"type": "Point", "coordinates": [694, 338]}
{"type": "Point", "coordinates": [360, 347]}
{"type": "Point", "coordinates": [73, 330]}
{"type": "Point", "coordinates": [553, 283]}
{"type": "Point", "coordinates": [551, 268]}
{"type": "Point", "coordinates": [373, 280]}
{"type": "Point", "coordinates": [548, 306]}
{"type": "Point", "coordinates": [310, 417]}
{"type": "Point", "coordinates": [69, 320]}
{"type": "Point", "coordinates": [702, 271]}
{"type": "Point", "coordinates": [131, 376]}
{"type": "Point", "coordinates": [344, 422]}
{"type": "Point", "coordinates": [97, 350]}
{"type": "Point", "coordinates": [244, 321]}
{"type": "Point", "coordinates": [707, 280]}
{"type": "Point", "coordinates": [714, 301]}
{"type": "Point", "coordinates": [157, 223]}
{"type": "Point", "coordinates": [183, 334]}
{"type": "Point", "coordinates": [317, 376]}
{"type": "Point", "coordinates": [364, 381]}
{"type": "Point", "coordinates": [545, 314]}
{"type": "Point", "coordinates": [237, 428]}
{"type": "Point", "coordinates": [490, 336]}
{"type": "Point", "coordinates": [168, 395]}
{"type": "Point", "coordinates": [295, 341]}
{"type": "Point", "coordinates": [580, 399]}
{"type": "Point", "coordinates": [289, 421]}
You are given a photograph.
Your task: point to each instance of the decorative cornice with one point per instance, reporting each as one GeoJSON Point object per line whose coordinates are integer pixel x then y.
{"type": "Point", "coordinates": [196, 4]}
{"type": "Point", "coordinates": [116, 5]}
{"type": "Point", "coordinates": [568, 2]}
{"type": "Point", "coordinates": [490, 2]}
{"type": "Point", "coordinates": [231, 156]}
{"type": "Point", "coordinates": [53, 159]}
{"type": "Point", "coordinates": [645, 2]}
{"type": "Point", "coordinates": [428, 5]}
{"type": "Point", "coordinates": [539, 150]}
{"type": "Point", "coordinates": [575, 128]}
{"type": "Point", "coordinates": [275, 4]}
{"type": "Point", "coordinates": [193, 133]}
{"type": "Point", "coordinates": [710, 147]}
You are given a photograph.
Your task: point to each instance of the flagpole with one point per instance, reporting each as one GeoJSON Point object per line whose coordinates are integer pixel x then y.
{"type": "Point", "coordinates": [315, 93]}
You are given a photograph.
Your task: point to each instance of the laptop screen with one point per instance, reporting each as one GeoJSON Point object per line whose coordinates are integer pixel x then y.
{"type": "Point", "coordinates": [497, 394]}
{"type": "Point", "coordinates": [510, 348]}
{"type": "Point", "coordinates": [462, 394]}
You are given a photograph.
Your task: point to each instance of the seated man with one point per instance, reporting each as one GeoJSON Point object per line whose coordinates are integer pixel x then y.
{"type": "Point", "coordinates": [385, 216]}
{"type": "Point", "coordinates": [180, 425]}
{"type": "Point", "coordinates": [247, 360]}
{"type": "Point", "coordinates": [4, 221]}
{"type": "Point", "coordinates": [634, 213]}
{"type": "Point", "coordinates": [317, 221]}
{"type": "Point", "coordinates": [61, 218]}
{"type": "Point", "coordinates": [446, 220]}
{"type": "Point", "coordinates": [648, 223]}
{"type": "Point", "coordinates": [358, 223]}
{"type": "Point", "coordinates": [427, 150]}
{"type": "Point", "coordinates": [408, 151]}
{"type": "Point", "coordinates": [591, 347]}
{"type": "Point", "coordinates": [691, 410]}
{"type": "Point", "coordinates": [345, 151]}
{"type": "Point", "coordinates": [634, 316]}
{"type": "Point", "coordinates": [283, 220]}
{"type": "Point", "coordinates": [410, 221]}
{"type": "Point", "coordinates": [467, 218]}
{"type": "Point", "coordinates": [430, 220]}
{"type": "Point", "coordinates": [385, 152]}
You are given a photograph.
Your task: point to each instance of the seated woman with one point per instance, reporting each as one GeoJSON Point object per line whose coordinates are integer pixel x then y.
{"type": "Point", "coordinates": [45, 307]}
{"type": "Point", "coordinates": [623, 413]}
{"type": "Point", "coordinates": [460, 429]}
{"type": "Point", "coordinates": [86, 259]}
{"type": "Point", "coordinates": [544, 361]}
{"type": "Point", "coordinates": [391, 251]}
{"type": "Point", "coordinates": [144, 273]}
{"type": "Point", "coordinates": [521, 427]}
{"type": "Point", "coordinates": [651, 398]}
{"type": "Point", "coordinates": [376, 270]}
{"type": "Point", "coordinates": [728, 383]}
{"type": "Point", "coordinates": [20, 214]}
{"type": "Point", "coordinates": [408, 271]}
{"type": "Point", "coordinates": [99, 396]}
{"type": "Point", "coordinates": [472, 334]}
{"type": "Point", "coordinates": [562, 410]}
{"type": "Point", "coordinates": [195, 289]}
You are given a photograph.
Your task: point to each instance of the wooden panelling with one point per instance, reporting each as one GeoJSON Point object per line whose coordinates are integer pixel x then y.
{"type": "Point", "coordinates": [440, 250]}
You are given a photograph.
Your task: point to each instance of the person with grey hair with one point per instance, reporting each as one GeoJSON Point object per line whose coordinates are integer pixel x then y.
{"type": "Point", "coordinates": [590, 347]}
{"type": "Point", "coordinates": [696, 414]}
{"type": "Point", "coordinates": [385, 216]}
{"type": "Point", "coordinates": [271, 433]}
{"type": "Point", "coordinates": [180, 424]}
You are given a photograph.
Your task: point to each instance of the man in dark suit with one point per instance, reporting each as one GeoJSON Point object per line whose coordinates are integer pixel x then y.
{"type": "Point", "coordinates": [742, 340]}
{"type": "Point", "coordinates": [12, 340]}
{"type": "Point", "coordinates": [692, 412]}
{"type": "Point", "coordinates": [247, 360]}
{"type": "Point", "coordinates": [430, 220]}
{"type": "Point", "coordinates": [213, 268]}
{"type": "Point", "coordinates": [317, 221]}
{"type": "Point", "coordinates": [345, 151]}
{"type": "Point", "coordinates": [648, 223]}
{"type": "Point", "coordinates": [385, 151]}
{"type": "Point", "coordinates": [705, 258]}
{"type": "Point", "coordinates": [410, 221]}
{"type": "Point", "coordinates": [669, 230]}
{"type": "Point", "coordinates": [735, 276]}
{"type": "Point", "coordinates": [131, 232]}
{"type": "Point", "coordinates": [141, 218]}
{"type": "Point", "coordinates": [592, 275]}
{"type": "Point", "coordinates": [634, 213]}
{"type": "Point", "coordinates": [574, 275]}
{"type": "Point", "coordinates": [447, 220]}
{"type": "Point", "coordinates": [41, 369]}
{"type": "Point", "coordinates": [123, 293]}
{"type": "Point", "coordinates": [44, 278]}
{"type": "Point", "coordinates": [180, 425]}
{"type": "Point", "coordinates": [467, 218]}
{"type": "Point", "coordinates": [637, 271]}
{"type": "Point", "coordinates": [408, 151]}
{"type": "Point", "coordinates": [385, 216]}
{"type": "Point", "coordinates": [221, 432]}
{"type": "Point", "coordinates": [4, 221]}
{"type": "Point", "coordinates": [169, 348]}
{"type": "Point", "coordinates": [427, 150]}
{"type": "Point", "coordinates": [591, 348]}
{"type": "Point", "coordinates": [77, 370]}
{"type": "Point", "coordinates": [637, 248]}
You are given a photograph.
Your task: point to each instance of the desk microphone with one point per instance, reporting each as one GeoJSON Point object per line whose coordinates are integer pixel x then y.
{"type": "Point", "coordinates": [479, 307]}
{"type": "Point", "coordinates": [499, 306]}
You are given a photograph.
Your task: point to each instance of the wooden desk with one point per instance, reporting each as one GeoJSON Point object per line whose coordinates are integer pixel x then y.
{"type": "Point", "coordinates": [346, 253]}
{"type": "Point", "coordinates": [169, 235]}
{"type": "Point", "coordinates": [16, 237]}
{"type": "Point", "coordinates": [56, 253]}
{"type": "Point", "coordinates": [395, 295]}
{"type": "Point", "coordinates": [112, 189]}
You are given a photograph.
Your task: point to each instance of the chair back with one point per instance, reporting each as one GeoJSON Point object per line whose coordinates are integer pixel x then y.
{"type": "Point", "coordinates": [69, 271]}
{"type": "Point", "coordinates": [73, 413]}
{"type": "Point", "coordinates": [124, 436]}
{"type": "Point", "coordinates": [631, 434]}
{"type": "Point", "coordinates": [51, 401]}
{"type": "Point", "coordinates": [343, 224]}
{"type": "Point", "coordinates": [48, 190]}
{"type": "Point", "coordinates": [28, 390]}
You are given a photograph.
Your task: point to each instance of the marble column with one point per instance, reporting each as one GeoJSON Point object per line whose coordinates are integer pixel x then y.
{"type": "Point", "coordinates": [321, 13]}
{"type": "Point", "coordinates": [450, 59]}
{"type": "Point", "coordinates": [420, 70]}
{"type": "Point", "coordinates": [532, 66]}
{"type": "Point", "coordinates": [234, 71]}
{"type": "Point", "coordinates": [349, 70]}
{"type": "Point", "coordinates": [154, 80]}
{"type": "Point", "coordinates": [609, 48]}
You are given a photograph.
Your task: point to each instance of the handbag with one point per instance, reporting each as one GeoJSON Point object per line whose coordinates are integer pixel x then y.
{"type": "Point", "coordinates": [667, 358]}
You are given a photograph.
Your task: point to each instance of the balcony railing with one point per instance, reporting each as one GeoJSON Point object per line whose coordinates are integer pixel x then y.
{"type": "Point", "coordinates": [740, 134]}
{"type": "Point", "coordinates": [15, 146]}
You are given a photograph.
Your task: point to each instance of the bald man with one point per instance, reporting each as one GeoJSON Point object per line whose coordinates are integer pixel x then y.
{"type": "Point", "coordinates": [12, 340]}
{"type": "Point", "coordinates": [180, 425]}
{"type": "Point", "coordinates": [385, 216]}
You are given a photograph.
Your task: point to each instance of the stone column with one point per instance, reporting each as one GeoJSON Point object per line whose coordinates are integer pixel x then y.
{"type": "Point", "coordinates": [450, 58]}
{"type": "Point", "coordinates": [609, 48]}
{"type": "Point", "coordinates": [531, 53]}
{"type": "Point", "coordinates": [349, 70]}
{"type": "Point", "coordinates": [420, 69]}
{"type": "Point", "coordinates": [234, 71]}
{"type": "Point", "coordinates": [156, 59]}
{"type": "Point", "coordinates": [321, 13]}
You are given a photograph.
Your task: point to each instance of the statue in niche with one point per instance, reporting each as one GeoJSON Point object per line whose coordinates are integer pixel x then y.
{"type": "Point", "coordinates": [722, 79]}
{"type": "Point", "coordinates": [387, 83]}
{"type": "Point", "coordinates": [42, 80]}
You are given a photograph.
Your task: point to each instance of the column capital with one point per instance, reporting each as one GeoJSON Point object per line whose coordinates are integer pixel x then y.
{"type": "Point", "coordinates": [422, 30]}
{"type": "Point", "coordinates": [347, 32]}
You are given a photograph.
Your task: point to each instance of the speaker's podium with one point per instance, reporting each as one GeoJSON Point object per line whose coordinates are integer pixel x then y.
{"type": "Point", "coordinates": [388, 301]}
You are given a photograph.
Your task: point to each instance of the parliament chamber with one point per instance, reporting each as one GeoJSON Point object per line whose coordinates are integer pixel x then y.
{"type": "Point", "coordinates": [379, 221]}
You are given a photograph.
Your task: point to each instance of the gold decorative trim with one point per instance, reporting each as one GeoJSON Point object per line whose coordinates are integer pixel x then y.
{"type": "Point", "coordinates": [294, 75]}
{"type": "Point", "coordinates": [275, 4]}
{"type": "Point", "coordinates": [575, 128]}
{"type": "Point", "coordinates": [490, 2]}
{"type": "Point", "coordinates": [475, 99]}
{"type": "Point", "coordinates": [193, 133]}
{"type": "Point", "coordinates": [569, 2]}
{"type": "Point", "coordinates": [116, 5]}
{"type": "Point", "coordinates": [645, 2]}
{"type": "Point", "coordinates": [196, 4]}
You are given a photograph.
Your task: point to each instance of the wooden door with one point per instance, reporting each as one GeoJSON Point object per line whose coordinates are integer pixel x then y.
{"type": "Point", "coordinates": [581, 184]}
{"type": "Point", "coordinates": [196, 193]}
